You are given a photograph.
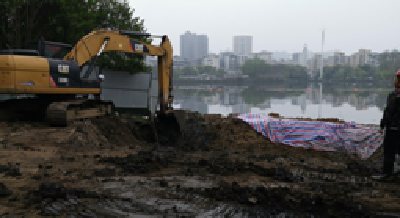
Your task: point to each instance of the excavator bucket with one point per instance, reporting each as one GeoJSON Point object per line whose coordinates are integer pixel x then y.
{"type": "Point", "coordinates": [170, 127]}
{"type": "Point", "coordinates": [180, 117]}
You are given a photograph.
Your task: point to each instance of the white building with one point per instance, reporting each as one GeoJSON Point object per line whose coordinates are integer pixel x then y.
{"type": "Point", "coordinates": [212, 60]}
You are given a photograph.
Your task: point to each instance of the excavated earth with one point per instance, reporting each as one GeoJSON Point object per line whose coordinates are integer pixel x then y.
{"type": "Point", "coordinates": [117, 166]}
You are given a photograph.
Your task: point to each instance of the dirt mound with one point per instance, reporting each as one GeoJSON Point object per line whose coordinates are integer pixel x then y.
{"type": "Point", "coordinates": [103, 131]}
{"type": "Point", "coordinates": [216, 133]}
{"type": "Point", "coordinates": [228, 150]}
{"type": "Point", "coordinates": [115, 130]}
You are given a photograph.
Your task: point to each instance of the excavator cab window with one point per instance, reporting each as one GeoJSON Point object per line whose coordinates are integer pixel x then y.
{"type": "Point", "coordinates": [50, 49]}
{"type": "Point", "coordinates": [55, 51]}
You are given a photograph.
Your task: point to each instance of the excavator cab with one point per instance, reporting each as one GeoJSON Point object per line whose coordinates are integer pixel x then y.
{"type": "Point", "coordinates": [49, 49]}
{"type": "Point", "coordinates": [56, 51]}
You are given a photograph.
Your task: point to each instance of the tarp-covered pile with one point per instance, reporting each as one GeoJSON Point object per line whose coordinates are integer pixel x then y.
{"type": "Point", "coordinates": [322, 136]}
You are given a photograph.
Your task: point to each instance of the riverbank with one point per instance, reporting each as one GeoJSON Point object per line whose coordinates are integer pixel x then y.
{"type": "Point", "coordinates": [113, 166]}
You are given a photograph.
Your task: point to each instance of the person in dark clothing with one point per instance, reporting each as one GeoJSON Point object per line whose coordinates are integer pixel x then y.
{"type": "Point", "coordinates": [391, 121]}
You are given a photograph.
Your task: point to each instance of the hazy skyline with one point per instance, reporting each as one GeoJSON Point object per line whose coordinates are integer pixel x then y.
{"type": "Point", "coordinates": [280, 25]}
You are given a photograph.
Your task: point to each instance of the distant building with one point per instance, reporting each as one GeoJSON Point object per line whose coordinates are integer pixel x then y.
{"type": "Point", "coordinates": [374, 59]}
{"type": "Point", "coordinates": [315, 63]}
{"type": "Point", "coordinates": [296, 57]}
{"type": "Point", "coordinates": [242, 45]}
{"type": "Point", "coordinates": [196, 63]}
{"type": "Point", "coordinates": [232, 63]}
{"type": "Point", "coordinates": [242, 59]}
{"type": "Point", "coordinates": [212, 60]}
{"type": "Point", "coordinates": [338, 58]}
{"type": "Point", "coordinates": [222, 56]}
{"type": "Point", "coordinates": [300, 58]}
{"type": "Point", "coordinates": [180, 62]}
{"type": "Point", "coordinates": [303, 60]}
{"type": "Point", "coordinates": [263, 55]}
{"type": "Point", "coordinates": [193, 46]}
{"type": "Point", "coordinates": [364, 56]}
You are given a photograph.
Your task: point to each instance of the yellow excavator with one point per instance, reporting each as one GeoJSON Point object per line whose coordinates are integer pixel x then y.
{"type": "Point", "coordinates": [51, 72]}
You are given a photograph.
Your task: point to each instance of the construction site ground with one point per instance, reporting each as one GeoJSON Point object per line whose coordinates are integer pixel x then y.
{"type": "Point", "coordinates": [114, 167]}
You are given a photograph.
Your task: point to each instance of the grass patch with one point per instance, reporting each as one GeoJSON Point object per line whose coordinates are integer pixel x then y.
{"type": "Point", "coordinates": [141, 119]}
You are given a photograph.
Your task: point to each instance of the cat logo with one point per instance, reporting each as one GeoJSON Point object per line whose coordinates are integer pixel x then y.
{"type": "Point", "coordinates": [64, 69]}
{"type": "Point", "coordinates": [138, 47]}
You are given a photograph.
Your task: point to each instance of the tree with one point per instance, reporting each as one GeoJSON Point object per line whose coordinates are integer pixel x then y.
{"type": "Point", "coordinates": [389, 62]}
{"type": "Point", "coordinates": [118, 16]}
{"type": "Point", "coordinates": [189, 71]}
{"type": "Point", "coordinates": [206, 70]}
{"type": "Point", "coordinates": [254, 67]}
{"type": "Point", "coordinates": [177, 73]}
{"type": "Point", "coordinates": [26, 19]}
{"type": "Point", "coordinates": [220, 71]}
{"type": "Point", "coordinates": [385, 74]}
{"type": "Point", "coordinates": [68, 21]}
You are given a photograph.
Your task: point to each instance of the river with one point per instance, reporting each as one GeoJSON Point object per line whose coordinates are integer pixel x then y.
{"type": "Point", "coordinates": [362, 103]}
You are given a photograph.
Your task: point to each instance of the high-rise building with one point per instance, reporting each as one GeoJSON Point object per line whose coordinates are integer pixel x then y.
{"type": "Point", "coordinates": [305, 56]}
{"type": "Point", "coordinates": [242, 45]}
{"type": "Point", "coordinates": [193, 46]}
{"type": "Point", "coordinates": [301, 58]}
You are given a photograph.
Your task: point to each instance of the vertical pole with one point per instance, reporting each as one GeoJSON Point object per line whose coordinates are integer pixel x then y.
{"type": "Point", "coordinates": [320, 101]}
{"type": "Point", "coordinates": [322, 54]}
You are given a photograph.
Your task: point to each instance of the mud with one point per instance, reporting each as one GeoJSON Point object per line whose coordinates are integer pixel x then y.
{"type": "Point", "coordinates": [118, 166]}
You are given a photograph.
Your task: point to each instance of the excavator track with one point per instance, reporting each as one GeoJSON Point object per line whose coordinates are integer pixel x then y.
{"type": "Point", "coordinates": [65, 112]}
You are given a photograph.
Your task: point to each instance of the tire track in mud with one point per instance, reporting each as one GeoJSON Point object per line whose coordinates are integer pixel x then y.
{"type": "Point", "coordinates": [322, 194]}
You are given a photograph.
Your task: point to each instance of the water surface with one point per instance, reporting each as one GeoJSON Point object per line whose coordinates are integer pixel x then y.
{"type": "Point", "coordinates": [362, 103]}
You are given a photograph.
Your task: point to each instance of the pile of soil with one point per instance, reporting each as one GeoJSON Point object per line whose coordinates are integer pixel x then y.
{"type": "Point", "coordinates": [221, 134]}
{"type": "Point", "coordinates": [55, 171]}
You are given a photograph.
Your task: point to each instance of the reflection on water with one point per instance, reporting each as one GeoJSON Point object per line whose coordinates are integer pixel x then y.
{"type": "Point", "coordinates": [362, 103]}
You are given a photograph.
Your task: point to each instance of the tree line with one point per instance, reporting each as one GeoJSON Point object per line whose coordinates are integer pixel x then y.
{"type": "Point", "coordinates": [192, 71]}
{"type": "Point", "coordinates": [257, 68]}
{"type": "Point", "coordinates": [389, 64]}
{"type": "Point", "coordinates": [67, 21]}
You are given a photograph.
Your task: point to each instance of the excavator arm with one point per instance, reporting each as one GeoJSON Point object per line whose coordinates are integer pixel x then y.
{"type": "Point", "coordinates": [94, 44]}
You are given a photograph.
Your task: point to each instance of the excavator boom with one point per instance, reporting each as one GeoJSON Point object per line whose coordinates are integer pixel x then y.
{"type": "Point", "coordinates": [97, 42]}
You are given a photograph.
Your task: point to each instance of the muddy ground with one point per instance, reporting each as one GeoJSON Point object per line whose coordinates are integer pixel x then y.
{"type": "Point", "coordinates": [118, 167]}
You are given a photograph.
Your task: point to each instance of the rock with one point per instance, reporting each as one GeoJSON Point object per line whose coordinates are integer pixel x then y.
{"type": "Point", "coordinates": [253, 200]}
{"type": "Point", "coordinates": [4, 191]}
{"type": "Point", "coordinates": [163, 183]}
{"type": "Point", "coordinates": [52, 190]}
{"type": "Point", "coordinates": [14, 172]}
{"type": "Point", "coordinates": [58, 206]}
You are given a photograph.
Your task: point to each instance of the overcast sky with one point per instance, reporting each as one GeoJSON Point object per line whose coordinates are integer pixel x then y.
{"type": "Point", "coordinates": [277, 25]}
